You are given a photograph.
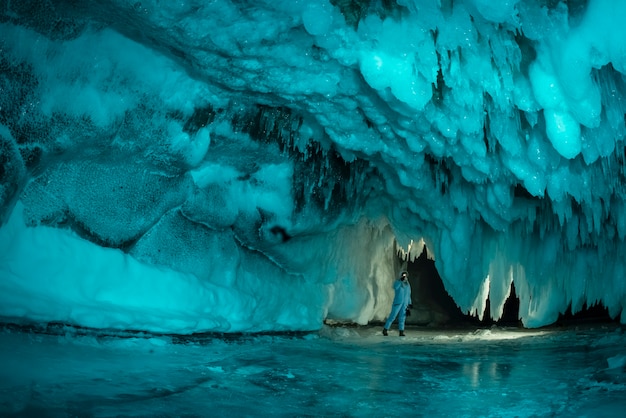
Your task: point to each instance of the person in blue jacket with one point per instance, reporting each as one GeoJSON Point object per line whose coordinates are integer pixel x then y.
{"type": "Point", "coordinates": [401, 302]}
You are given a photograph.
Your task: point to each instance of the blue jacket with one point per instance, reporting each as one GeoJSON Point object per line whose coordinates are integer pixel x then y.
{"type": "Point", "coordinates": [403, 293]}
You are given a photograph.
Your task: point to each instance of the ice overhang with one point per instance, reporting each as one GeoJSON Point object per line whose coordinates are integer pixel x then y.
{"type": "Point", "coordinates": [493, 132]}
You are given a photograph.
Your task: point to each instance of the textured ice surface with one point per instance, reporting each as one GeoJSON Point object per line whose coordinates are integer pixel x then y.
{"type": "Point", "coordinates": [335, 372]}
{"type": "Point", "coordinates": [270, 146]}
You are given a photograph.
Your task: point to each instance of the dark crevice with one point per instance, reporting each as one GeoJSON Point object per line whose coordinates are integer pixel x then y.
{"type": "Point", "coordinates": [521, 192]}
{"type": "Point", "coordinates": [486, 133]}
{"type": "Point", "coordinates": [510, 312]}
{"type": "Point", "coordinates": [439, 88]}
{"type": "Point", "coordinates": [202, 338]}
{"type": "Point", "coordinates": [596, 313]}
{"type": "Point", "coordinates": [267, 125]}
{"type": "Point", "coordinates": [527, 49]}
{"type": "Point", "coordinates": [70, 222]}
{"type": "Point", "coordinates": [491, 144]}
{"type": "Point", "coordinates": [355, 11]}
{"type": "Point", "coordinates": [200, 118]}
{"type": "Point", "coordinates": [439, 171]}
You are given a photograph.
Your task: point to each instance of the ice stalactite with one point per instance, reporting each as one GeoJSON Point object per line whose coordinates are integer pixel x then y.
{"type": "Point", "coordinates": [241, 133]}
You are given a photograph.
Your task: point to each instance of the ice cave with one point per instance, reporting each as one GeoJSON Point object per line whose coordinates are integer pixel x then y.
{"type": "Point", "coordinates": [246, 178]}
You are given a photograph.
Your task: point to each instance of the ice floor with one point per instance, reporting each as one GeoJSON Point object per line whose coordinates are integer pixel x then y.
{"type": "Point", "coordinates": [338, 372]}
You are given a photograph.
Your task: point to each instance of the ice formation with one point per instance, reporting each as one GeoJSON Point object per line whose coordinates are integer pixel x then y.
{"type": "Point", "coordinates": [259, 165]}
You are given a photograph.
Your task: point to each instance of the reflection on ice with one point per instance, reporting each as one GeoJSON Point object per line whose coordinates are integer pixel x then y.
{"type": "Point", "coordinates": [477, 371]}
{"type": "Point", "coordinates": [487, 334]}
{"type": "Point", "coordinates": [338, 371]}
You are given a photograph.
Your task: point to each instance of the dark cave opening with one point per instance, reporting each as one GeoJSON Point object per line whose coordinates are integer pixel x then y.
{"type": "Point", "coordinates": [596, 313]}
{"type": "Point", "coordinates": [510, 312]}
{"type": "Point", "coordinates": [433, 306]}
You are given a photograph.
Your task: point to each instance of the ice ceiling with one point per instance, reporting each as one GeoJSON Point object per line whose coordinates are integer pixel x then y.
{"type": "Point", "coordinates": [275, 157]}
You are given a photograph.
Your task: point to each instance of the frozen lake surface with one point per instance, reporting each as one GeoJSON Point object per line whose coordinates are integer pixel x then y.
{"type": "Point", "coordinates": [338, 371]}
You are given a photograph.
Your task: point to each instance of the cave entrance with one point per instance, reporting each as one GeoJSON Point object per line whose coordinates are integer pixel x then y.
{"type": "Point", "coordinates": [510, 311]}
{"type": "Point", "coordinates": [433, 306]}
{"type": "Point", "coordinates": [510, 315]}
{"type": "Point", "coordinates": [597, 313]}
{"type": "Point", "coordinates": [593, 314]}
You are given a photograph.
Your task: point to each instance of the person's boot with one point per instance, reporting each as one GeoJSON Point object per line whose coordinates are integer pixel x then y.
{"type": "Point", "coordinates": [402, 333]}
{"type": "Point", "coordinates": [385, 332]}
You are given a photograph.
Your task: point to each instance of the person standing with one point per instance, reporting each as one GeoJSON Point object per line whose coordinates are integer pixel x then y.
{"type": "Point", "coordinates": [401, 302]}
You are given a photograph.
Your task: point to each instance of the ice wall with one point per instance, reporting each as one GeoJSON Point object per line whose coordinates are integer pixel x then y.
{"type": "Point", "coordinates": [312, 141]}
